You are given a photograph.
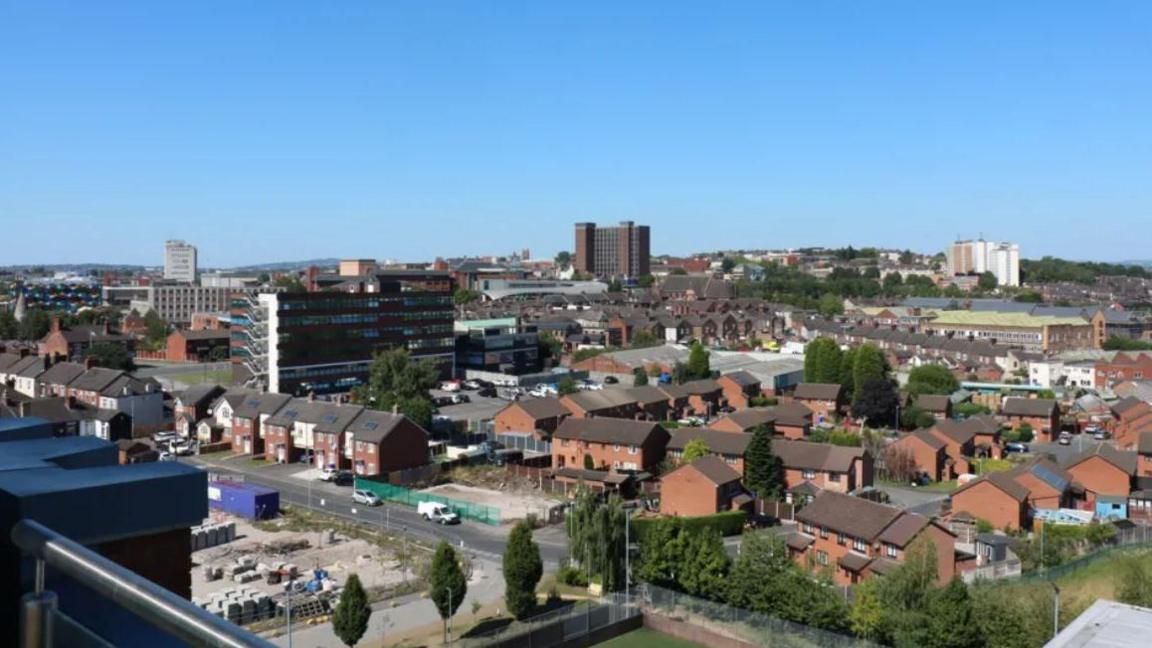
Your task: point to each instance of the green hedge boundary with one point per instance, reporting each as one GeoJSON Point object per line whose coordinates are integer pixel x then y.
{"type": "Point", "coordinates": [728, 523]}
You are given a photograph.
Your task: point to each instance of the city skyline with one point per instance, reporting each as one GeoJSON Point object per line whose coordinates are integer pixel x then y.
{"type": "Point", "coordinates": [739, 126]}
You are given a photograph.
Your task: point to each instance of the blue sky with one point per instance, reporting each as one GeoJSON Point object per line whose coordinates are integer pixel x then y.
{"type": "Point", "coordinates": [289, 130]}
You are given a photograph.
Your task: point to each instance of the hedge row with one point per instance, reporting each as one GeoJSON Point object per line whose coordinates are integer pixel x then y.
{"type": "Point", "coordinates": [728, 523]}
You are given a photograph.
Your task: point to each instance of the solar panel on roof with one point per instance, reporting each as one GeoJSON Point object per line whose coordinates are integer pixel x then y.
{"type": "Point", "coordinates": [1048, 477]}
{"type": "Point", "coordinates": [329, 418]}
{"type": "Point", "coordinates": [370, 425]}
{"type": "Point", "coordinates": [290, 413]}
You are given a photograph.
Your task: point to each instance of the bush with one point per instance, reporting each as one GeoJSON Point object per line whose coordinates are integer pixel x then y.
{"type": "Point", "coordinates": [727, 523]}
{"type": "Point", "coordinates": [1024, 432]}
{"type": "Point", "coordinates": [572, 576]}
{"type": "Point", "coordinates": [763, 401]}
{"type": "Point", "coordinates": [984, 526]}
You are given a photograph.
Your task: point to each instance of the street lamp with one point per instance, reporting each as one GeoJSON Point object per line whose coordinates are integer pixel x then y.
{"type": "Point", "coordinates": [1055, 608]}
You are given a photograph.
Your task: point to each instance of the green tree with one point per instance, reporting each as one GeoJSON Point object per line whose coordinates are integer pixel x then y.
{"type": "Point", "coordinates": [1013, 616]}
{"type": "Point", "coordinates": [589, 462]}
{"type": "Point", "coordinates": [763, 470]}
{"type": "Point", "coordinates": [847, 383]}
{"type": "Point", "coordinates": [522, 571]}
{"type": "Point", "coordinates": [155, 330]}
{"type": "Point", "coordinates": [868, 364]}
{"type": "Point", "coordinates": [396, 381]}
{"type": "Point", "coordinates": [1029, 297]}
{"type": "Point", "coordinates": [822, 359]}
{"type": "Point", "coordinates": [464, 296]}
{"type": "Point", "coordinates": [868, 616]}
{"type": "Point", "coordinates": [36, 325]}
{"type": "Point", "coordinates": [291, 283]}
{"type": "Point", "coordinates": [830, 305]}
{"type": "Point", "coordinates": [662, 551]}
{"type": "Point", "coordinates": [764, 579]}
{"type": "Point", "coordinates": [111, 356]}
{"type": "Point", "coordinates": [447, 584]}
{"type": "Point", "coordinates": [9, 327]}
{"type": "Point", "coordinates": [595, 529]}
{"type": "Point", "coordinates": [646, 281]}
{"type": "Point", "coordinates": [549, 347]}
{"type": "Point", "coordinates": [914, 418]}
{"type": "Point", "coordinates": [1134, 582]}
{"type": "Point", "coordinates": [932, 379]}
{"type": "Point", "coordinates": [727, 264]}
{"type": "Point", "coordinates": [987, 282]}
{"type": "Point", "coordinates": [949, 621]}
{"type": "Point", "coordinates": [566, 386]}
{"type": "Point", "coordinates": [876, 403]}
{"type": "Point", "coordinates": [698, 366]}
{"type": "Point", "coordinates": [563, 258]}
{"type": "Point", "coordinates": [643, 339]}
{"type": "Point", "coordinates": [639, 377]}
{"type": "Point", "coordinates": [695, 449]}
{"type": "Point", "coordinates": [350, 618]}
{"type": "Point", "coordinates": [706, 565]}
{"type": "Point", "coordinates": [615, 286]}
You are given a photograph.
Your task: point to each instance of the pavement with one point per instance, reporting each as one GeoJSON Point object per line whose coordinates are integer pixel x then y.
{"type": "Point", "coordinates": [481, 540]}
{"type": "Point", "coordinates": [480, 407]}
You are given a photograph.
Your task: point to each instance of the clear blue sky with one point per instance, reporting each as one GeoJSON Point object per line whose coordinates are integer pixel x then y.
{"type": "Point", "coordinates": [391, 129]}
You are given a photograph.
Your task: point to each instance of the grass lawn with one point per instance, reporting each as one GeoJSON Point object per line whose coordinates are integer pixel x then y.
{"type": "Point", "coordinates": [941, 487]}
{"type": "Point", "coordinates": [644, 638]}
{"type": "Point", "coordinates": [217, 376]}
{"type": "Point", "coordinates": [984, 466]}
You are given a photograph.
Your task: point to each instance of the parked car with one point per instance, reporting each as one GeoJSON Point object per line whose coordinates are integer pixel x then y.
{"type": "Point", "coordinates": [450, 386]}
{"type": "Point", "coordinates": [164, 436]}
{"type": "Point", "coordinates": [460, 398]}
{"type": "Point", "coordinates": [344, 478]}
{"type": "Point", "coordinates": [366, 497]}
{"type": "Point", "coordinates": [437, 512]}
{"type": "Point", "coordinates": [487, 392]}
{"type": "Point", "coordinates": [441, 401]}
{"type": "Point", "coordinates": [328, 474]}
{"type": "Point", "coordinates": [611, 380]}
{"type": "Point", "coordinates": [166, 456]}
{"type": "Point", "coordinates": [184, 448]}
{"type": "Point", "coordinates": [1065, 439]}
{"type": "Point", "coordinates": [471, 384]}
{"type": "Point", "coordinates": [1100, 435]}
{"type": "Point", "coordinates": [1015, 447]}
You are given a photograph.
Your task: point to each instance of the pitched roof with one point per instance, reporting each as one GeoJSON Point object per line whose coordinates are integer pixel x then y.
{"type": "Point", "coordinates": [960, 432]}
{"type": "Point", "coordinates": [933, 402]}
{"type": "Point", "coordinates": [725, 443]}
{"type": "Point", "coordinates": [1028, 406]}
{"type": "Point", "coordinates": [62, 373]}
{"type": "Point", "coordinates": [929, 439]}
{"type": "Point", "coordinates": [818, 391]}
{"type": "Point", "coordinates": [97, 379]}
{"type": "Point", "coordinates": [904, 529]}
{"type": "Point", "coordinates": [646, 394]}
{"type": "Point", "coordinates": [702, 386]}
{"type": "Point", "coordinates": [1145, 443]}
{"type": "Point", "coordinates": [591, 401]}
{"type": "Point", "coordinates": [1001, 480]}
{"type": "Point", "coordinates": [857, 517]}
{"type": "Point", "coordinates": [1125, 461]}
{"type": "Point", "coordinates": [815, 456]}
{"type": "Point", "coordinates": [255, 404]}
{"type": "Point", "coordinates": [1126, 405]}
{"type": "Point", "coordinates": [373, 426]}
{"type": "Point", "coordinates": [609, 430]}
{"type": "Point", "coordinates": [540, 408]}
{"type": "Point", "coordinates": [198, 394]}
{"type": "Point", "coordinates": [742, 378]}
{"type": "Point", "coordinates": [1045, 471]}
{"type": "Point", "coordinates": [713, 469]}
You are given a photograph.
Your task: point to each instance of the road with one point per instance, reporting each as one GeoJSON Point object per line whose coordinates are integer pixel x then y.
{"type": "Point", "coordinates": [472, 537]}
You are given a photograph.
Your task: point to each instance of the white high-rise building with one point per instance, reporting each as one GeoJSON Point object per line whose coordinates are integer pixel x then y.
{"type": "Point", "coordinates": [980, 256]}
{"type": "Point", "coordinates": [179, 261]}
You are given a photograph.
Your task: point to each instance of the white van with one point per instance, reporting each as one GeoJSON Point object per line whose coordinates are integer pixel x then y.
{"type": "Point", "coordinates": [437, 512]}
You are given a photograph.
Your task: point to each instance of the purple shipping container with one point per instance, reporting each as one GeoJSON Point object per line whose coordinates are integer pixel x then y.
{"type": "Point", "coordinates": [247, 500]}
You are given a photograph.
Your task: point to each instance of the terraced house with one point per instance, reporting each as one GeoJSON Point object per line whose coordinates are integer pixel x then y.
{"type": "Point", "coordinates": [858, 538]}
{"type": "Point", "coordinates": [608, 443]}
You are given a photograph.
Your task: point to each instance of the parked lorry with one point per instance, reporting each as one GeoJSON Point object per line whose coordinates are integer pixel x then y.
{"type": "Point", "coordinates": [437, 512]}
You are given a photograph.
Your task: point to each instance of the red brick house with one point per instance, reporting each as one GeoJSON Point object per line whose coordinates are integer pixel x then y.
{"type": "Point", "coordinates": [381, 442]}
{"type": "Point", "coordinates": [996, 498]}
{"type": "Point", "coordinates": [613, 403]}
{"type": "Point", "coordinates": [703, 396]}
{"type": "Point", "coordinates": [1123, 366]}
{"type": "Point", "coordinates": [1041, 413]}
{"type": "Point", "coordinates": [1049, 486]}
{"type": "Point", "coordinates": [959, 443]}
{"type": "Point", "coordinates": [791, 420]}
{"type": "Point", "coordinates": [620, 444]}
{"type": "Point", "coordinates": [1144, 455]}
{"type": "Point", "coordinates": [704, 487]}
{"type": "Point", "coordinates": [197, 346]}
{"type": "Point", "coordinates": [824, 399]}
{"type": "Point", "coordinates": [1103, 470]}
{"type": "Point", "coordinates": [823, 465]}
{"type": "Point", "coordinates": [653, 404]}
{"type": "Point", "coordinates": [729, 446]}
{"type": "Point", "coordinates": [539, 415]}
{"type": "Point", "coordinates": [739, 388]}
{"type": "Point", "coordinates": [928, 451]}
{"type": "Point", "coordinates": [74, 342]}
{"type": "Point", "coordinates": [858, 538]}
{"type": "Point", "coordinates": [248, 420]}
{"type": "Point", "coordinates": [1130, 418]}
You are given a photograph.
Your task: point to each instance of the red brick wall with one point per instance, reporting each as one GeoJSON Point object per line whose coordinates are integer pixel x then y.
{"type": "Point", "coordinates": [1100, 478]}
{"type": "Point", "coordinates": [987, 502]}
{"type": "Point", "coordinates": [687, 493]}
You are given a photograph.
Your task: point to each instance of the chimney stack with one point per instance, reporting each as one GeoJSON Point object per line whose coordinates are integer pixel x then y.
{"type": "Point", "coordinates": [395, 409]}
{"type": "Point", "coordinates": [70, 402]}
{"type": "Point", "coordinates": [56, 324]}
{"type": "Point", "coordinates": [89, 362]}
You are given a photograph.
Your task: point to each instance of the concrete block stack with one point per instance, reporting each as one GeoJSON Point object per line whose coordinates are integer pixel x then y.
{"type": "Point", "coordinates": [207, 536]}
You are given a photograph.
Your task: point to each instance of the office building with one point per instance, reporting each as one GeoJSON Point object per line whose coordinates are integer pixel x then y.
{"type": "Point", "coordinates": [176, 303]}
{"type": "Point", "coordinates": [179, 261]}
{"type": "Point", "coordinates": [322, 342]}
{"type": "Point", "coordinates": [499, 345]}
{"type": "Point", "coordinates": [621, 251]}
{"type": "Point", "coordinates": [980, 256]}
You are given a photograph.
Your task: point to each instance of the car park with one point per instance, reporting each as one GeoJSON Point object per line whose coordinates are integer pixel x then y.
{"type": "Point", "coordinates": [344, 478]}
{"type": "Point", "coordinates": [471, 384]}
{"type": "Point", "coordinates": [450, 386]}
{"type": "Point", "coordinates": [166, 456]}
{"type": "Point", "coordinates": [366, 497]}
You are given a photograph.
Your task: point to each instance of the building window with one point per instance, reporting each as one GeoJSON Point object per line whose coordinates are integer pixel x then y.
{"type": "Point", "coordinates": [633, 450]}
{"type": "Point", "coordinates": [807, 528]}
{"type": "Point", "coordinates": [616, 447]}
{"type": "Point", "coordinates": [890, 550]}
{"type": "Point", "coordinates": [809, 474]}
{"type": "Point", "coordinates": [859, 545]}
{"type": "Point", "coordinates": [840, 539]}
{"type": "Point", "coordinates": [834, 477]}
{"type": "Point", "coordinates": [824, 533]}
{"type": "Point", "coordinates": [821, 558]}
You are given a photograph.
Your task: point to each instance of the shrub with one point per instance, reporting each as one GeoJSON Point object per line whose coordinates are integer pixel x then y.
{"type": "Point", "coordinates": [572, 576]}
{"type": "Point", "coordinates": [727, 523]}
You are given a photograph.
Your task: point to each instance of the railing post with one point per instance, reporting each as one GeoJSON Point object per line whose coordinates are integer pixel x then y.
{"type": "Point", "coordinates": [36, 609]}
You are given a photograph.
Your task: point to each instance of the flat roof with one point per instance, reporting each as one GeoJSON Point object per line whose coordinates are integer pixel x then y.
{"type": "Point", "coordinates": [1012, 320]}
{"type": "Point", "coordinates": [1106, 624]}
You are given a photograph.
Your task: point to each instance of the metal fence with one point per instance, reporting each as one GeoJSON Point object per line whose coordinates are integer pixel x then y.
{"type": "Point", "coordinates": [400, 495]}
{"type": "Point", "coordinates": [740, 624]}
{"type": "Point", "coordinates": [1004, 569]}
{"type": "Point", "coordinates": [1139, 537]}
{"type": "Point", "coordinates": [557, 626]}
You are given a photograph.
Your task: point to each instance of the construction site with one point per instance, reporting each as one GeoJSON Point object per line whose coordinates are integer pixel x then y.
{"type": "Point", "coordinates": [251, 573]}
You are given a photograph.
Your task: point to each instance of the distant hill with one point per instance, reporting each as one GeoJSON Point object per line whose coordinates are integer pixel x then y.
{"type": "Point", "coordinates": [1146, 263]}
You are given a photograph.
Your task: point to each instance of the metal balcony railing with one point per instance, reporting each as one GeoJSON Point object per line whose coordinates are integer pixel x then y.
{"type": "Point", "coordinates": [42, 625]}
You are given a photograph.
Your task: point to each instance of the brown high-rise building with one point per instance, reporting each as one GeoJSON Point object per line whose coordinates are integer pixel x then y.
{"type": "Point", "coordinates": [621, 251]}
